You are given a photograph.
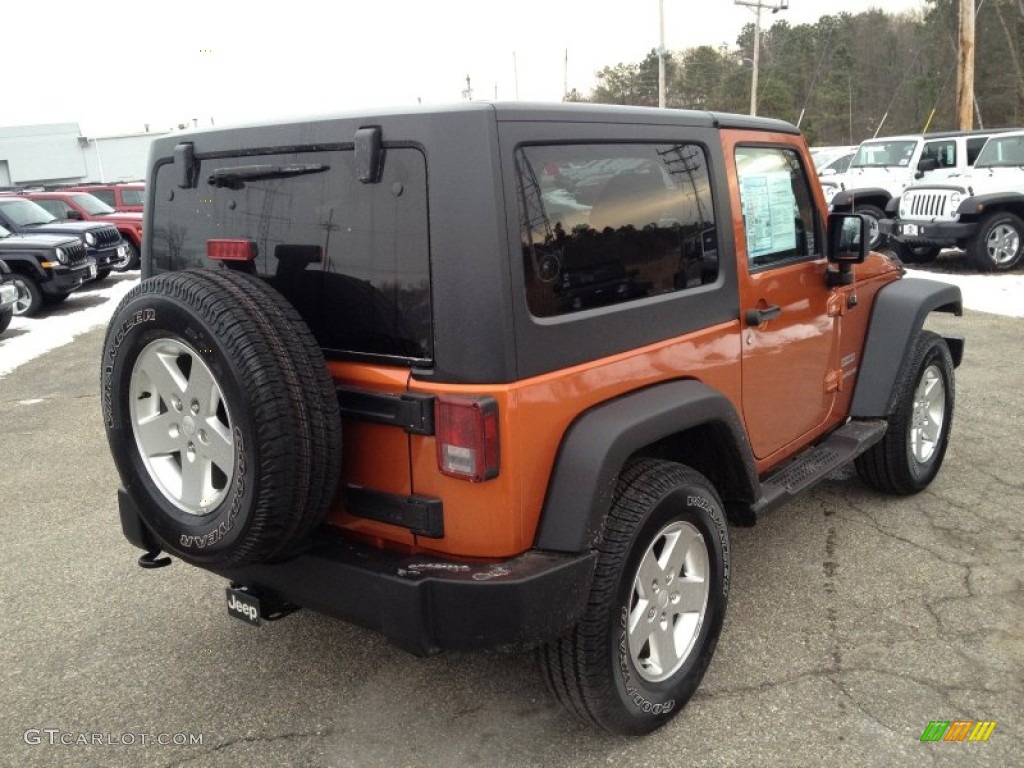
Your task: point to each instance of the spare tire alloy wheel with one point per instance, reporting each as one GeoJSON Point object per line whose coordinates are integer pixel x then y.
{"type": "Point", "coordinates": [221, 416]}
{"type": "Point", "coordinates": [910, 454]}
{"type": "Point", "coordinates": [656, 605]}
{"type": "Point", "coordinates": [182, 426]}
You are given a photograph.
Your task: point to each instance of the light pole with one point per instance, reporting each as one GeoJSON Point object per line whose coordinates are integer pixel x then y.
{"type": "Point", "coordinates": [756, 6]}
{"type": "Point", "coordinates": [661, 53]}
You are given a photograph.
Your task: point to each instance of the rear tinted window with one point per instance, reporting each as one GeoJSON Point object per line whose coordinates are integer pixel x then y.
{"type": "Point", "coordinates": [607, 224]}
{"type": "Point", "coordinates": [353, 258]}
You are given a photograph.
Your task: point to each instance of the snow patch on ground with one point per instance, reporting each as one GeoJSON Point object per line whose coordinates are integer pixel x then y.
{"type": "Point", "coordinates": [30, 337]}
{"type": "Point", "coordinates": [995, 294]}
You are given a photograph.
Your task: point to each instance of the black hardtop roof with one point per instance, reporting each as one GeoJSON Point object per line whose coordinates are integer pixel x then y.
{"type": "Point", "coordinates": [500, 111]}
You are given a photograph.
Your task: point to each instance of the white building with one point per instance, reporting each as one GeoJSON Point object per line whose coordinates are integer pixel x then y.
{"type": "Point", "coordinates": [58, 153]}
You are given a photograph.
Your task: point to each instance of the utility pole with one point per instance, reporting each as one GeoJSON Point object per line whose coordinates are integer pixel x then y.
{"type": "Point", "coordinates": [965, 68]}
{"type": "Point", "coordinates": [661, 53]}
{"type": "Point", "coordinates": [756, 6]}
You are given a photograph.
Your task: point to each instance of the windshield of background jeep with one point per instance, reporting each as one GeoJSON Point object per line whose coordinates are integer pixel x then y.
{"type": "Point", "coordinates": [1004, 150]}
{"type": "Point", "coordinates": [880, 154]}
{"type": "Point", "coordinates": [91, 205]}
{"type": "Point", "coordinates": [352, 258]}
{"type": "Point", "coordinates": [25, 213]}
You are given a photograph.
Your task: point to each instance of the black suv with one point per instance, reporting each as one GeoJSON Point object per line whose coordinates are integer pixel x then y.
{"type": "Point", "coordinates": [44, 267]}
{"type": "Point", "coordinates": [103, 242]}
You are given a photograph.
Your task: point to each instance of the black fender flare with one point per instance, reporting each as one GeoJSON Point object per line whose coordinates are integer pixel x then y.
{"type": "Point", "coordinates": [898, 313]}
{"type": "Point", "coordinates": [845, 199]}
{"type": "Point", "coordinates": [25, 264]}
{"type": "Point", "coordinates": [597, 444]}
{"type": "Point", "coordinates": [979, 204]}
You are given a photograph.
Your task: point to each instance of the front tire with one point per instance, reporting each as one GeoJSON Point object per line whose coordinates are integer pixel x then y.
{"type": "Point", "coordinates": [30, 295]}
{"type": "Point", "coordinates": [5, 319]}
{"type": "Point", "coordinates": [656, 605]}
{"type": "Point", "coordinates": [999, 244]}
{"type": "Point", "coordinates": [133, 261]}
{"type": "Point", "coordinates": [910, 454]}
{"type": "Point", "coordinates": [915, 254]}
{"type": "Point", "coordinates": [873, 214]}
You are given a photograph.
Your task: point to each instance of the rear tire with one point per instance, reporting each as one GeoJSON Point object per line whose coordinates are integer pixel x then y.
{"type": "Point", "coordinates": [910, 454]}
{"type": "Point", "coordinates": [656, 605]}
{"type": "Point", "coordinates": [221, 416]}
{"type": "Point", "coordinates": [5, 319]}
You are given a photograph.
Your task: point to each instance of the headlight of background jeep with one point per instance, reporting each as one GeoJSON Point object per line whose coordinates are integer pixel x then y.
{"type": "Point", "coordinates": [905, 205]}
{"type": "Point", "coordinates": [60, 255]}
{"type": "Point", "coordinates": [90, 238]}
{"type": "Point", "coordinates": [954, 202]}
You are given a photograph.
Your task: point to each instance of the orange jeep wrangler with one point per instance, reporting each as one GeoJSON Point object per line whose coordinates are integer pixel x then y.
{"type": "Point", "coordinates": [503, 374]}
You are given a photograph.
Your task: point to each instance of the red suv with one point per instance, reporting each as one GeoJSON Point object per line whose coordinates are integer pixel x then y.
{"type": "Point", "coordinates": [84, 206]}
{"type": "Point", "coordinates": [120, 197]}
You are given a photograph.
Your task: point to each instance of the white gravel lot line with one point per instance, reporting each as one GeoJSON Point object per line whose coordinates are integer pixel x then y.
{"type": "Point", "coordinates": [45, 333]}
{"type": "Point", "coordinates": [995, 294]}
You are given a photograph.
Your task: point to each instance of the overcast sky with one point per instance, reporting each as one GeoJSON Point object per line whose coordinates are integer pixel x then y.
{"type": "Point", "coordinates": [119, 64]}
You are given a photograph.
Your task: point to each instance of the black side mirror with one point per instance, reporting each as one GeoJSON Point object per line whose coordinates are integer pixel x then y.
{"type": "Point", "coordinates": [848, 239]}
{"type": "Point", "coordinates": [926, 164]}
{"type": "Point", "coordinates": [71, 213]}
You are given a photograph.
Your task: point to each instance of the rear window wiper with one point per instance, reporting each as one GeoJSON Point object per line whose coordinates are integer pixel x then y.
{"type": "Point", "coordinates": [235, 178]}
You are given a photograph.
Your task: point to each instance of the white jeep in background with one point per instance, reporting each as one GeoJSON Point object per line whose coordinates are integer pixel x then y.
{"type": "Point", "coordinates": [980, 211]}
{"type": "Point", "coordinates": [883, 168]}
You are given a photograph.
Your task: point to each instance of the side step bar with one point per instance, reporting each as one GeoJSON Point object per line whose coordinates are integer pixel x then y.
{"type": "Point", "coordinates": [841, 447]}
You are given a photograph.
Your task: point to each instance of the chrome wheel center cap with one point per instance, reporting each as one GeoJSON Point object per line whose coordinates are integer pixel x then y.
{"type": "Point", "coordinates": [188, 424]}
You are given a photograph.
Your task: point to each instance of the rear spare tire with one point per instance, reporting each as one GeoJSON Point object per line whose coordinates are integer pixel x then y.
{"type": "Point", "coordinates": [221, 416]}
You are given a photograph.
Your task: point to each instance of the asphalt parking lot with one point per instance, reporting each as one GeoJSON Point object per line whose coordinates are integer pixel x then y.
{"type": "Point", "coordinates": [855, 619]}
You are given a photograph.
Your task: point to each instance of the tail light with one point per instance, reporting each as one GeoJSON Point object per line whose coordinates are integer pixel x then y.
{"type": "Point", "coordinates": [467, 437]}
{"type": "Point", "coordinates": [230, 250]}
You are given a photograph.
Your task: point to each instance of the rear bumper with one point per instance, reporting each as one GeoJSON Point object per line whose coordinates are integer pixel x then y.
{"type": "Point", "coordinates": [423, 604]}
{"type": "Point", "coordinates": [940, 233]}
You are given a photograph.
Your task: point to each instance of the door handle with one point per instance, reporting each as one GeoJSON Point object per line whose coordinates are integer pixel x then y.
{"type": "Point", "coordinates": [758, 316]}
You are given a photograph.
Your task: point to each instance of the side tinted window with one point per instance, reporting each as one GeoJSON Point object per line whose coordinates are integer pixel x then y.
{"type": "Point", "coordinates": [352, 258]}
{"type": "Point", "coordinates": [610, 223]}
{"type": "Point", "coordinates": [974, 148]}
{"type": "Point", "coordinates": [779, 217]}
{"type": "Point", "coordinates": [128, 197]}
{"type": "Point", "coordinates": [943, 151]}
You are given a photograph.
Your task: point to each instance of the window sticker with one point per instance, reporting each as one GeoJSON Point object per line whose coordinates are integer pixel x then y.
{"type": "Point", "coordinates": [769, 207]}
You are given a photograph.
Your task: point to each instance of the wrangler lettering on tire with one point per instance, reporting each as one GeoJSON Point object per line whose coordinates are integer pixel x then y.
{"type": "Point", "coordinates": [221, 416]}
